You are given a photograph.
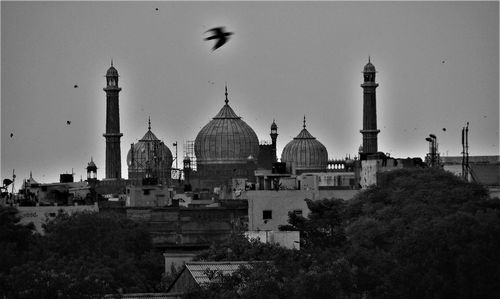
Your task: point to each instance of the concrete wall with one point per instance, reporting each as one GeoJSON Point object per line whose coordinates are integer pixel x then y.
{"type": "Point", "coordinates": [148, 196]}
{"type": "Point", "coordinates": [284, 201]}
{"type": "Point", "coordinates": [39, 215]}
{"type": "Point", "coordinates": [287, 239]}
{"type": "Point", "coordinates": [174, 226]}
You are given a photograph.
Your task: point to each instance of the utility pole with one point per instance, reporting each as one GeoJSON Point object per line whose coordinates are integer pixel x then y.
{"type": "Point", "coordinates": [465, 152]}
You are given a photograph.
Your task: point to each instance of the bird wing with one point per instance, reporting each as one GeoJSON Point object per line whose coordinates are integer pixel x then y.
{"type": "Point", "coordinates": [222, 40]}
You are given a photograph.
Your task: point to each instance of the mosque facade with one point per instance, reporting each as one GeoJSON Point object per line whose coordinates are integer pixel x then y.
{"type": "Point", "coordinates": [227, 148]}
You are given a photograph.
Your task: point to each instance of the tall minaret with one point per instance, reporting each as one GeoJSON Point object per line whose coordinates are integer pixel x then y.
{"type": "Point", "coordinates": [112, 135]}
{"type": "Point", "coordinates": [274, 136]}
{"type": "Point", "coordinates": [369, 130]}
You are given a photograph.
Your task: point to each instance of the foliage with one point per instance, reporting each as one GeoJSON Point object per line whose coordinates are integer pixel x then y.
{"type": "Point", "coordinates": [420, 233]}
{"type": "Point", "coordinates": [84, 255]}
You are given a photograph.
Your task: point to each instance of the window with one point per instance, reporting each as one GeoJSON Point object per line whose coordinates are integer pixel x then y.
{"type": "Point", "coordinates": [267, 214]}
{"type": "Point", "coordinates": [146, 191]}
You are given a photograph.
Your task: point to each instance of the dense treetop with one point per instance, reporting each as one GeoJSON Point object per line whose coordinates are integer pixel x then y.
{"type": "Point", "coordinates": [420, 233]}
{"type": "Point", "coordinates": [80, 256]}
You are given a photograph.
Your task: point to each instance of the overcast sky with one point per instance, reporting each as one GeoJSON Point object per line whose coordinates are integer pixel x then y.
{"type": "Point", "coordinates": [437, 65]}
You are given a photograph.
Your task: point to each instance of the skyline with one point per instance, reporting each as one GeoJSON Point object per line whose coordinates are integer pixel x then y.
{"type": "Point", "coordinates": [284, 61]}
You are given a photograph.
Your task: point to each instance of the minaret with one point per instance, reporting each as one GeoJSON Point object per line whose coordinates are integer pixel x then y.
{"type": "Point", "coordinates": [369, 130]}
{"type": "Point", "coordinates": [112, 135]}
{"type": "Point", "coordinates": [274, 136]}
{"type": "Point", "coordinates": [91, 170]}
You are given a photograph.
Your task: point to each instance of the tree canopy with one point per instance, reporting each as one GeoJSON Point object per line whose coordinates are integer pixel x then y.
{"type": "Point", "coordinates": [80, 256]}
{"type": "Point", "coordinates": [421, 233]}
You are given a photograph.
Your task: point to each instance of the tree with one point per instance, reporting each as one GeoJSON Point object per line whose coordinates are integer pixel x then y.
{"type": "Point", "coordinates": [16, 241]}
{"type": "Point", "coordinates": [87, 255]}
{"type": "Point", "coordinates": [420, 233]}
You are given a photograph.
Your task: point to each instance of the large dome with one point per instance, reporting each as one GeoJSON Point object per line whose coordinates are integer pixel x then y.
{"type": "Point", "coordinates": [305, 152]}
{"type": "Point", "coordinates": [149, 153]}
{"type": "Point", "coordinates": [226, 139]}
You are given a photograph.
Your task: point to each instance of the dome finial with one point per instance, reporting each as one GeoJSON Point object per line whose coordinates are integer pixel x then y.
{"type": "Point", "coordinates": [149, 123]}
{"type": "Point", "coordinates": [369, 59]}
{"type": "Point", "coordinates": [227, 101]}
{"type": "Point", "coordinates": [111, 61]}
{"type": "Point", "coordinates": [304, 126]}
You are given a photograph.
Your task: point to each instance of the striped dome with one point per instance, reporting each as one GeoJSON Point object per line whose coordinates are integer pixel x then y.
{"type": "Point", "coordinates": [226, 139]}
{"type": "Point", "coordinates": [305, 152]}
{"type": "Point", "coordinates": [149, 152]}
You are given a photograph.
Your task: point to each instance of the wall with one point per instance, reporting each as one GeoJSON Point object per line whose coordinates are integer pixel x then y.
{"type": "Point", "coordinates": [287, 239]}
{"type": "Point", "coordinates": [284, 201]}
{"type": "Point", "coordinates": [39, 215]}
{"type": "Point", "coordinates": [176, 227]}
{"type": "Point", "coordinates": [148, 196]}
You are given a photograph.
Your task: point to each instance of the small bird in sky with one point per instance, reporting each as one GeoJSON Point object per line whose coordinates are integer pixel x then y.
{"type": "Point", "coordinates": [157, 9]}
{"type": "Point", "coordinates": [76, 86]}
{"type": "Point", "coordinates": [221, 36]}
{"type": "Point", "coordinates": [443, 61]}
{"type": "Point", "coordinates": [68, 122]}
{"type": "Point", "coordinates": [11, 135]}
{"type": "Point", "coordinates": [444, 129]}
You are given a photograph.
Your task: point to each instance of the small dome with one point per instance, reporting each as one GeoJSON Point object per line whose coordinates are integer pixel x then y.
{"type": "Point", "coordinates": [91, 164]}
{"type": "Point", "coordinates": [226, 139]}
{"type": "Point", "coordinates": [274, 126]}
{"type": "Point", "coordinates": [305, 152]}
{"type": "Point", "coordinates": [150, 152]}
{"type": "Point", "coordinates": [112, 72]}
{"type": "Point", "coordinates": [369, 67]}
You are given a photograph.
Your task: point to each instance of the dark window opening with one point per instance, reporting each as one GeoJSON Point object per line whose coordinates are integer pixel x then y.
{"type": "Point", "coordinates": [267, 214]}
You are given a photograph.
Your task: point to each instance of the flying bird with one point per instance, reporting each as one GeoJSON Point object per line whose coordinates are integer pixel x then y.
{"type": "Point", "coordinates": [68, 122]}
{"type": "Point", "coordinates": [444, 129]}
{"type": "Point", "coordinates": [11, 135]}
{"type": "Point", "coordinates": [76, 86]}
{"type": "Point", "coordinates": [220, 35]}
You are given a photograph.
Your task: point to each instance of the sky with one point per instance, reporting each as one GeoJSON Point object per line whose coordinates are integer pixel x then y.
{"type": "Point", "coordinates": [437, 68]}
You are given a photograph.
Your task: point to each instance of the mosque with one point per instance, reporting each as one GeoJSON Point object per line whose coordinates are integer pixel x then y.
{"type": "Point", "coordinates": [226, 155]}
{"type": "Point", "coordinates": [225, 149]}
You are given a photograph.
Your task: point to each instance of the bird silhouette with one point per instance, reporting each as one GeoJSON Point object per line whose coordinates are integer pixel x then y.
{"type": "Point", "coordinates": [11, 135]}
{"type": "Point", "coordinates": [76, 86]}
{"type": "Point", "coordinates": [68, 122]}
{"type": "Point", "coordinates": [220, 35]}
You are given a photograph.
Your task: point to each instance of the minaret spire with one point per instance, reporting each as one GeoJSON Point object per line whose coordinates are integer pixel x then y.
{"type": "Point", "coordinates": [112, 134]}
{"type": "Point", "coordinates": [304, 125]}
{"type": "Point", "coordinates": [149, 123]}
{"type": "Point", "coordinates": [369, 130]}
{"type": "Point", "coordinates": [227, 101]}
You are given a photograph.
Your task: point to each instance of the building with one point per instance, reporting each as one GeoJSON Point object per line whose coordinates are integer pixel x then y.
{"type": "Point", "coordinates": [304, 153]}
{"type": "Point", "coordinates": [39, 215]}
{"type": "Point", "coordinates": [149, 159]}
{"type": "Point", "coordinates": [112, 135]}
{"type": "Point", "coordinates": [182, 229]}
{"type": "Point", "coordinates": [196, 275]}
{"type": "Point", "coordinates": [482, 169]}
{"type": "Point", "coordinates": [268, 209]}
{"type": "Point", "coordinates": [227, 148]}
{"type": "Point", "coordinates": [369, 130]}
